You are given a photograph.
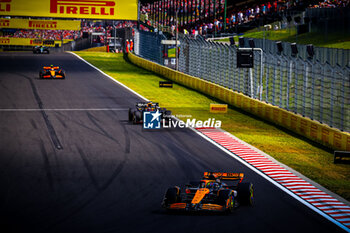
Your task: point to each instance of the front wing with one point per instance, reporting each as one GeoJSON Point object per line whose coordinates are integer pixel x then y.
{"type": "Point", "coordinates": [196, 207]}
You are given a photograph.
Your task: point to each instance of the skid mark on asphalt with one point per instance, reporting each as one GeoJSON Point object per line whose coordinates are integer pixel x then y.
{"type": "Point", "coordinates": [115, 117]}
{"type": "Point", "coordinates": [80, 124]}
{"type": "Point", "coordinates": [88, 168]}
{"type": "Point", "coordinates": [104, 133]}
{"type": "Point", "coordinates": [95, 122]}
{"type": "Point", "coordinates": [48, 123]}
{"type": "Point", "coordinates": [46, 165]}
{"type": "Point", "coordinates": [127, 139]}
{"type": "Point", "coordinates": [119, 168]}
{"type": "Point", "coordinates": [324, 202]}
{"type": "Point", "coordinates": [32, 122]}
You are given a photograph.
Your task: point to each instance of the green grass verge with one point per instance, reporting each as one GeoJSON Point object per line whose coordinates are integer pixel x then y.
{"type": "Point", "coordinates": [96, 49]}
{"type": "Point", "coordinates": [300, 154]}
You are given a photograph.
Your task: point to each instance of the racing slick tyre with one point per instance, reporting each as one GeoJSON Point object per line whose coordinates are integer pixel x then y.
{"type": "Point", "coordinates": [131, 114]}
{"type": "Point", "coordinates": [167, 113]}
{"type": "Point", "coordinates": [137, 117]}
{"type": "Point", "coordinates": [227, 199]}
{"type": "Point", "coordinates": [63, 73]}
{"type": "Point", "coordinates": [245, 193]}
{"type": "Point", "coordinates": [172, 195]}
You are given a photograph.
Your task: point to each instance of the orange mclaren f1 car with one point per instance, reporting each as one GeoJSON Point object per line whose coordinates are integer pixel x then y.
{"type": "Point", "coordinates": [211, 194]}
{"type": "Point", "coordinates": [52, 72]}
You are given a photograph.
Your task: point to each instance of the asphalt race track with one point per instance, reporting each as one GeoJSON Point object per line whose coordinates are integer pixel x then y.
{"type": "Point", "coordinates": [69, 169]}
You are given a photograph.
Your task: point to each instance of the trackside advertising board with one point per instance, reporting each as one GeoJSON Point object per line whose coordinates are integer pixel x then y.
{"type": "Point", "coordinates": [40, 24]}
{"type": "Point", "coordinates": [218, 108]}
{"type": "Point", "coordinates": [87, 9]}
{"type": "Point", "coordinates": [28, 41]}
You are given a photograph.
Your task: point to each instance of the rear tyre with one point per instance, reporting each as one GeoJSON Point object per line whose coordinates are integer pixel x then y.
{"type": "Point", "coordinates": [245, 194]}
{"type": "Point", "coordinates": [131, 114]}
{"type": "Point", "coordinates": [63, 73]}
{"type": "Point", "coordinates": [137, 117]}
{"type": "Point", "coordinates": [167, 115]}
{"type": "Point", "coordinates": [40, 74]}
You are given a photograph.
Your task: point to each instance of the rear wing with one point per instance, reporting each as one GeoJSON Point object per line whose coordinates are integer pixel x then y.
{"type": "Point", "coordinates": [224, 175]}
{"type": "Point", "coordinates": [144, 104]}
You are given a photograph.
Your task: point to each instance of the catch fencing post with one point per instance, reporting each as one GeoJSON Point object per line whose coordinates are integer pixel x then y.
{"type": "Point", "coordinates": [295, 88]}
{"type": "Point", "coordinates": [251, 72]}
{"type": "Point", "coordinates": [332, 99]}
{"type": "Point", "coordinates": [251, 82]}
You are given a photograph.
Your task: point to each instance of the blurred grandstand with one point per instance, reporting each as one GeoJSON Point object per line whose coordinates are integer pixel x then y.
{"type": "Point", "coordinates": [225, 16]}
{"type": "Point", "coordinates": [209, 17]}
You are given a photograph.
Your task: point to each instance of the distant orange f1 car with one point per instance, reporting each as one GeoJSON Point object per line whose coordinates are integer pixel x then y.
{"type": "Point", "coordinates": [52, 72]}
{"type": "Point", "coordinates": [210, 194]}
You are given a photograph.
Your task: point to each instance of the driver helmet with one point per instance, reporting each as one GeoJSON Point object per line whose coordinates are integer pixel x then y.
{"type": "Point", "coordinates": [211, 185]}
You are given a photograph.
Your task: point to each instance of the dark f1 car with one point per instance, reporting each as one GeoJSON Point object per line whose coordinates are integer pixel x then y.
{"type": "Point", "coordinates": [52, 72]}
{"type": "Point", "coordinates": [210, 194]}
{"type": "Point", "coordinates": [136, 113]}
{"type": "Point", "coordinates": [41, 49]}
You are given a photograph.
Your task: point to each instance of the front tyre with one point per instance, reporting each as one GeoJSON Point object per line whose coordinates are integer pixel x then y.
{"type": "Point", "coordinates": [137, 117]}
{"type": "Point", "coordinates": [227, 199]}
{"type": "Point", "coordinates": [230, 204]}
{"type": "Point", "coordinates": [172, 195]}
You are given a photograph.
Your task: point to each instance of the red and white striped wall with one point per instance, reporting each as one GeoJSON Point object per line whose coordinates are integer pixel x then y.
{"type": "Point", "coordinates": [324, 202]}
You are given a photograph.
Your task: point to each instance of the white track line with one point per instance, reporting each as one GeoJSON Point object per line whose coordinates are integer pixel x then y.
{"type": "Point", "coordinates": [238, 158]}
